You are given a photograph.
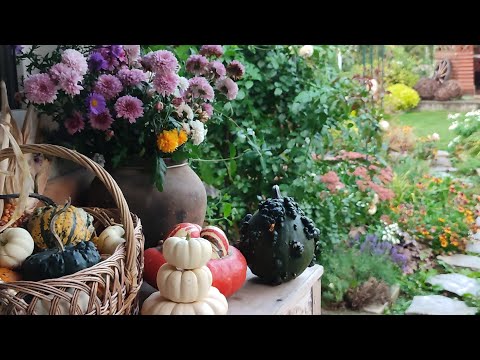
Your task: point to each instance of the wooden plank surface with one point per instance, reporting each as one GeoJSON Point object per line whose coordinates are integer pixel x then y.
{"type": "Point", "coordinates": [255, 298]}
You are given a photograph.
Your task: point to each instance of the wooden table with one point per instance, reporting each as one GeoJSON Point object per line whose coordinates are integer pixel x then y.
{"type": "Point", "coordinates": [297, 297]}
{"type": "Point", "coordinates": [300, 296]}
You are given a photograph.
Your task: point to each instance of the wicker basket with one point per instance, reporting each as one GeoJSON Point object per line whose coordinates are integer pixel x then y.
{"type": "Point", "coordinates": [110, 287]}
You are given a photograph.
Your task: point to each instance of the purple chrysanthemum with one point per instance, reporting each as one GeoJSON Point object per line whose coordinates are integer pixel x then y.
{"type": "Point", "coordinates": [165, 84]}
{"type": "Point", "coordinates": [208, 108]}
{"type": "Point", "coordinates": [160, 62]}
{"type": "Point", "coordinates": [131, 77]}
{"type": "Point", "coordinates": [200, 88]}
{"type": "Point", "coordinates": [228, 87]}
{"type": "Point", "coordinates": [132, 52]}
{"type": "Point", "coordinates": [129, 107]}
{"type": "Point", "coordinates": [97, 62]}
{"type": "Point", "coordinates": [40, 89]}
{"type": "Point", "coordinates": [96, 103]}
{"type": "Point", "coordinates": [197, 64]}
{"type": "Point", "coordinates": [235, 70]}
{"type": "Point", "coordinates": [211, 50]}
{"type": "Point", "coordinates": [217, 68]}
{"type": "Point", "coordinates": [66, 78]}
{"type": "Point", "coordinates": [118, 52]}
{"type": "Point", "coordinates": [75, 60]}
{"type": "Point", "coordinates": [101, 121]}
{"type": "Point", "coordinates": [75, 123]}
{"type": "Point", "coordinates": [18, 49]}
{"type": "Point", "coordinates": [109, 86]}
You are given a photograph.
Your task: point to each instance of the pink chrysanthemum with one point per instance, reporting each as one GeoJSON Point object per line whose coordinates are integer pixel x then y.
{"type": "Point", "coordinates": [66, 78]}
{"type": "Point", "coordinates": [129, 107]}
{"type": "Point", "coordinates": [109, 86]}
{"type": "Point", "coordinates": [228, 87]}
{"type": "Point", "coordinates": [217, 68]}
{"type": "Point", "coordinates": [211, 50]}
{"type": "Point", "coordinates": [165, 84]}
{"type": "Point", "coordinates": [197, 64]}
{"type": "Point", "coordinates": [332, 181]}
{"type": "Point", "coordinates": [40, 89]}
{"type": "Point", "coordinates": [160, 62]}
{"type": "Point", "coordinates": [75, 60]}
{"type": "Point", "coordinates": [131, 77]}
{"type": "Point", "coordinates": [208, 108]}
{"type": "Point", "coordinates": [101, 121]}
{"type": "Point", "coordinates": [200, 88]}
{"type": "Point", "coordinates": [132, 52]}
{"type": "Point", "coordinates": [236, 70]}
{"type": "Point", "coordinates": [75, 123]}
{"type": "Point", "coordinates": [362, 172]}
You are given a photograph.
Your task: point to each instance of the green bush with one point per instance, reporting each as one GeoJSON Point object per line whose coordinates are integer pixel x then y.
{"type": "Point", "coordinates": [401, 97]}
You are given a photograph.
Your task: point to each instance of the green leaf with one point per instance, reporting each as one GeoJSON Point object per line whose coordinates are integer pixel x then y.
{"type": "Point", "coordinates": [278, 92]}
{"type": "Point", "coordinates": [248, 84]}
{"type": "Point", "coordinates": [226, 209]}
{"type": "Point", "coordinates": [159, 173]}
{"type": "Point", "coordinates": [240, 95]}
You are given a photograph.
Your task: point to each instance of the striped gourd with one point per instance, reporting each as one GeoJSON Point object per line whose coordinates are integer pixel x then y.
{"type": "Point", "coordinates": [72, 226]}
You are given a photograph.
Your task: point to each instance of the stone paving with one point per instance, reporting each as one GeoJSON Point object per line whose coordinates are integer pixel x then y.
{"type": "Point", "coordinates": [456, 284]}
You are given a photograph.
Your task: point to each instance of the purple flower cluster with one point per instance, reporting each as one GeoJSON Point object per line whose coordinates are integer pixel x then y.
{"type": "Point", "coordinates": [373, 245]}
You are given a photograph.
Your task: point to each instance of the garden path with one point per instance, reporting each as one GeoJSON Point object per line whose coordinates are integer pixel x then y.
{"type": "Point", "coordinates": [455, 284]}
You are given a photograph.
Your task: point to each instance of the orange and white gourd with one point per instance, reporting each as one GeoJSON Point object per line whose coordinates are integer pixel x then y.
{"type": "Point", "coordinates": [185, 282]}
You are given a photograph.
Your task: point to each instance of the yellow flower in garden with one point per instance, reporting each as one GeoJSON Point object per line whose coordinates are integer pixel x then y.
{"type": "Point", "coordinates": [441, 220]}
{"type": "Point", "coordinates": [461, 209]}
{"type": "Point", "coordinates": [182, 137]}
{"type": "Point", "coordinates": [437, 180]}
{"type": "Point", "coordinates": [455, 243]}
{"type": "Point", "coordinates": [353, 113]}
{"type": "Point", "coordinates": [167, 140]}
{"type": "Point", "coordinates": [443, 243]}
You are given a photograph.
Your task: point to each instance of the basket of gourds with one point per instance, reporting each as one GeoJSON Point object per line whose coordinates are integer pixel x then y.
{"type": "Point", "coordinates": [59, 259]}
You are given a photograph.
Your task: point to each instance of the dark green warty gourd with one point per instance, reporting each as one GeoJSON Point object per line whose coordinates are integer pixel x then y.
{"type": "Point", "coordinates": [278, 241]}
{"type": "Point", "coordinates": [61, 261]}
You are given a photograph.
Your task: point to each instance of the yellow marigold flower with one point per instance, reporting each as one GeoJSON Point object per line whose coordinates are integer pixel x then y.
{"type": "Point", "coordinates": [353, 113]}
{"type": "Point", "coordinates": [455, 243]}
{"type": "Point", "coordinates": [441, 220]}
{"type": "Point", "coordinates": [167, 140]}
{"type": "Point", "coordinates": [444, 243]}
{"type": "Point", "coordinates": [182, 137]}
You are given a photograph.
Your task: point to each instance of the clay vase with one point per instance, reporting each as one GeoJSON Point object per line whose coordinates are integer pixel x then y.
{"type": "Point", "coordinates": [183, 198]}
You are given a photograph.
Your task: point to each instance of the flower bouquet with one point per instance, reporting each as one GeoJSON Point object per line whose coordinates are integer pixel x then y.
{"type": "Point", "coordinates": [115, 102]}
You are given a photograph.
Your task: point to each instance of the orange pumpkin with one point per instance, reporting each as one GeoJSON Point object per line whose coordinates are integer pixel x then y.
{"type": "Point", "coordinates": [7, 275]}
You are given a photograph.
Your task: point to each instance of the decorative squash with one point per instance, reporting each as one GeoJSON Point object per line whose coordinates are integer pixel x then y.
{"type": "Point", "coordinates": [184, 286]}
{"type": "Point", "coordinates": [109, 239]}
{"type": "Point", "coordinates": [182, 229]}
{"type": "Point", "coordinates": [218, 239]}
{"type": "Point", "coordinates": [8, 275]}
{"type": "Point", "coordinates": [54, 263]}
{"type": "Point", "coordinates": [278, 241]}
{"type": "Point", "coordinates": [187, 253]}
{"type": "Point", "coordinates": [214, 304]}
{"type": "Point", "coordinates": [64, 307]}
{"type": "Point", "coordinates": [16, 244]}
{"type": "Point", "coordinates": [153, 260]}
{"type": "Point", "coordinates": [73, 225]}
{"type": "Point", "coordinates": [229, 272]}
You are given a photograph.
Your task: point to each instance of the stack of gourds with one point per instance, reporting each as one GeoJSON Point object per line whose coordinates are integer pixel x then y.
{"type": "Point", "coordinates": [185, 282]}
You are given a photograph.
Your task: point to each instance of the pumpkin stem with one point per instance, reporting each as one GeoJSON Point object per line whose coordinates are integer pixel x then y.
{"type": "Point", "coordinates": [52, 224]}
{"type": "Point", "coordinates": [188, 237]}
{"type": "Point", "coordinates": [42, 198]}
{"type": "Point", "coordinates": [276, 192]}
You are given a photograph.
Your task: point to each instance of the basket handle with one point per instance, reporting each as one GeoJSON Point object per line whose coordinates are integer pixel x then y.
{"type": "Point", "coordinates": [104, 176]}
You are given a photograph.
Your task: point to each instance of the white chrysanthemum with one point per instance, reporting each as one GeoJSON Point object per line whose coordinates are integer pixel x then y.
{"type": "Point", "coordinates": [306, 51]}
{"type": "Point", "coordinates": [99, 159]}
{"type": "Point", "coordinates": [198, 132]}
{"type": "Point", "coordinates": [384, 125]}
{"type": "Point", "coordinates": [186, 127]}
{"type": "Point", "coordinates": [453, 116]}
{"type": "Point", "coordinates": [435, 137]}
{"type": "Point", "coordinates": [183, 83]}
{"type": "Point", "coordinates": [184, 109]}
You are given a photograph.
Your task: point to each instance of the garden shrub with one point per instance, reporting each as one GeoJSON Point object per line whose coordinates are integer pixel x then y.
{"type": "Point", "coordinates": [401, 98]}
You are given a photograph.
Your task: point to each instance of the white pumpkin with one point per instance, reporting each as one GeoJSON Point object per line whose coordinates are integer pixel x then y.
{"type": "Point", "coordinates": [42, 307]}
{"type": "Point", "coordinates": [214, 304]}
{"type": "Point", "coordinates": [183, 286]}
{"type": "Point", "coordinates": [16, 244]}
{"type": "Point", "coordinates": [109, 239]}
{"type": "Point", "coordinates": [187, 253]}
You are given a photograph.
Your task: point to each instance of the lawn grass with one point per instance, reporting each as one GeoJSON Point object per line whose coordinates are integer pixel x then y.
{"type": "Point", "coordinates": [426, 123]}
